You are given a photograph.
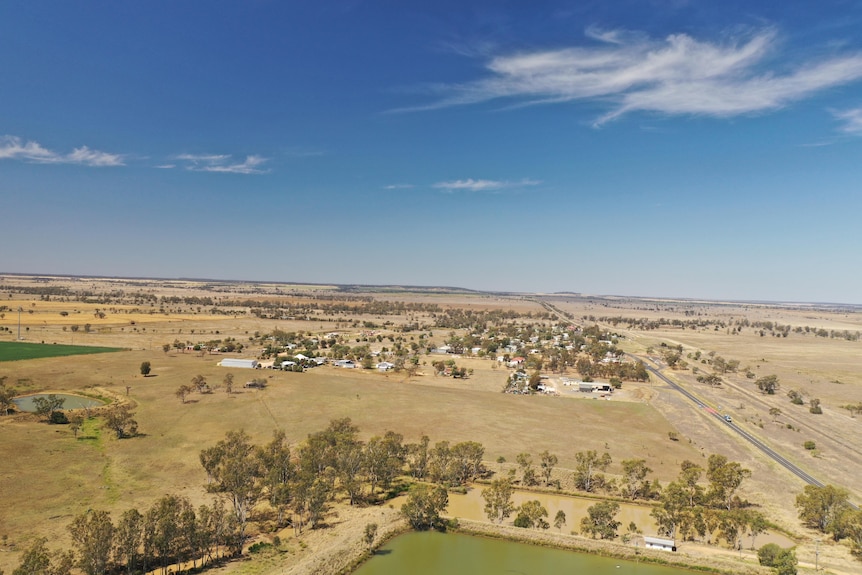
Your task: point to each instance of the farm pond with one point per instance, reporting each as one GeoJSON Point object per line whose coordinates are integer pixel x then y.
{"type": "Point", "coordinates": [25, 402]}
{"type": "Point", "coordinates": [432, 553]}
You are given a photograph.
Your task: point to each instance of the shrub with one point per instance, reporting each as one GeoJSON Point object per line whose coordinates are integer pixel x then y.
{"type": "Point", "coordinates": [767, 554]}
{"type": "Point", "coordinates": [809, 445]}
{"type": "Point", "coordinates": [58, 417]}
{"type": "Point", "coordinates": [784, 560]}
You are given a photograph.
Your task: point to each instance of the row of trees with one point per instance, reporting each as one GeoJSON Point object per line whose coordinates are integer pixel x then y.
{"type": "Point", "coordinates": [299, 486]}
{"type": "Point", "coordinates": [600, 520]}
{"type": "Point", "coordinates": [589, 474]}
{"type": "Point", "coordinates": [688, 509]}
{"type": "Point", "coordinates": [170, 532]}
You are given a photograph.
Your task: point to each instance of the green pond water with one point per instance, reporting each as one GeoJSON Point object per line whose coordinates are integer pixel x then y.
{"type": "Point", "coordinates": [25, 403]}
{"type": "Point", "coordinates": [431, 553]}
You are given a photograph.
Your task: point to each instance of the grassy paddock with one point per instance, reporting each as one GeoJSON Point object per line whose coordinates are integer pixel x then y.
{"type": "Point", "coordinates": [16, 350]}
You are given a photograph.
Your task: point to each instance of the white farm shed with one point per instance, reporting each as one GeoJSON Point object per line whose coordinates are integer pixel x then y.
{"type": "Point", "coordinates": [238, 362]}
{"type": "Point", "coordinates": [659, 543]}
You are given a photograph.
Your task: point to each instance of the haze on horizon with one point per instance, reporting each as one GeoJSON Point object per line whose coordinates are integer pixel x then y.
{"type": "Point", "coordinates": [665, 149]}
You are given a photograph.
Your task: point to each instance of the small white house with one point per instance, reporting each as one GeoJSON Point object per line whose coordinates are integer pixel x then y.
{"type": "Point", "coordinates": [385, 366]}
{"type": "Point", "coordinates": [659, 543]}
{"type": "Point", "coordinates": [238, 362]}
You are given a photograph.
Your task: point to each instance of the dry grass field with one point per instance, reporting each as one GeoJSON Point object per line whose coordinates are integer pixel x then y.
{"type": "Point", "coordinates": [52, 476]}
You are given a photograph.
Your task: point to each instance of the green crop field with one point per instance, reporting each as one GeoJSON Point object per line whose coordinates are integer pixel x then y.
{"type": "Point", "coordinates": [15, 350]}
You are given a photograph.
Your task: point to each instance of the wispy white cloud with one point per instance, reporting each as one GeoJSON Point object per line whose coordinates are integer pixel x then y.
{"type": "Point", "coordinates": [398, 187]}
{"type": "Point", "coordinates": [204, 158]}
{"type": "Point", "coordinates": [222, 163]}
{"type": "Point", "coordinates": [852, 120]}
{"type": "Point", "coordinates": [628, 71]}
{"type": "Point", "coordinates": [471, 185]}
{"type": "Point", "coordinates": [14, 148]}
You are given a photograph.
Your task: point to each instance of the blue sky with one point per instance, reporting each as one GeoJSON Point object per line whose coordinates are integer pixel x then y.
{"type": "Point", "coordinates": [653, 148]}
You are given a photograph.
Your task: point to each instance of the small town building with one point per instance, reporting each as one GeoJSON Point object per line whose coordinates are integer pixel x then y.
{"type": "Point", "coordinates": [238, 362]}
{"type": "Point", "coordinates": [659, 543]}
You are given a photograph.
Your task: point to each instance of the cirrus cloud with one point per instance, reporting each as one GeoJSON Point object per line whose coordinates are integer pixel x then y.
{"type": "Point", "coordinates": [222, 163]}
{"type": "Point", "coordinates": [852, 120]}
{"type": "Point", "coordinates": [471, 185]}
{"type": "Point", "coordinates": [680, 74]}
{"type": "Point", "coordinates": [14, 148]}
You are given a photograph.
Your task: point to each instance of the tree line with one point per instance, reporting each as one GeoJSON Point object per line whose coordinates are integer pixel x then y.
{"type": "Point", "coordinates": [271, 484]}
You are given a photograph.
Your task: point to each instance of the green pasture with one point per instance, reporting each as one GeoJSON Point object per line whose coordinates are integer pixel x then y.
{"type": "Point", "coordinates": [17, 350]}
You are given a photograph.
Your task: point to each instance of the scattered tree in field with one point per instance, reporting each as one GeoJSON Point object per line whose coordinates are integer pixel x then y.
{"type": "Point", "coordinates": [228, 383]}
{"type": "Point", "coordinates": [370, 534]}
{"type": "Point", "coordinates": [635, 484]}
{"type": "Point", "coordinates": [120, 419]}
{"type": "Point", "coordinates": [768, 384]}
{"type": "Point", "coordinates": [528, 474]}
{"type": "Point", "coordinates": [710, 379]}
{"type": "Point", "coordinates": [199, 382]}
{"type": "Point", "coordinates": [795, 397]}
{"type": "Point", "coordinates": [498, 500]}
{"type": "Point", "coordinates": [531, 514]}
{"type": "Point", "coordinates": [183, 391]}
{"type": "Point", "coordinates": [809, 445]}
{"type": "Point", "coordinates": [814, 406]}
{"type": "Point", "coordinates": [6, 396]}
{"type": "Point", "coordinates": [601, 520]}
{"type": "Point", "coordinates": [145, 368]}
{"type": "Point", "coordinates": [560, 520]}
{"type": "Point", "coordinates": [671, 357]}
{"type": "Point", "coordinates": [424, 506]}
{"type": "Point", "coordinates": [589, 464]}
{"type": "Point", "coordinates": [853, 408]}
{"type": "Point", "coordinates": [774, 412]}
{"type": "Point", "coordinates": [822, 508]}
{"type": "Point", "coordinates": [166, 348]}
{"type": "Point", "coordinates": [75, 423]}
{"type": "Point", "coordinates": [549, 460]}
{"type": "Point", "coordinates": [48, 406]}
{"type": "Point", "coordinates": [93, 538]}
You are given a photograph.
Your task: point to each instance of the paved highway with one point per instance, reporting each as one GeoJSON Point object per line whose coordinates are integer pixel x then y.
{"type": "Point", "coordinates": [750, 438]}
{"type": "Point", "coordinates": [775, 456]}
